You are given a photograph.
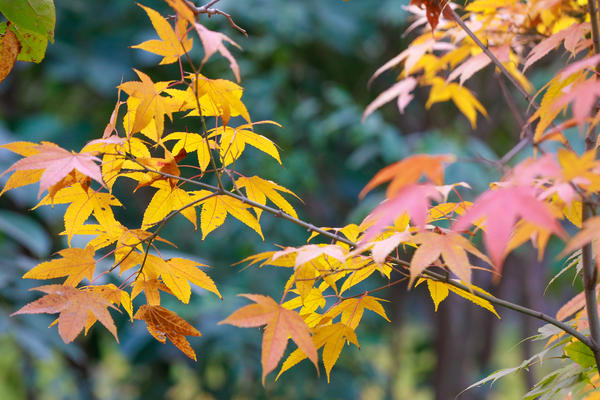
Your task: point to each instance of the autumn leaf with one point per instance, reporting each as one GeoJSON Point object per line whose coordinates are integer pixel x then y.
{"type": "Point", "coordinates": [214, 42]}
{"type": "Point", "coordinates": [451, 247]}
{"type": "Point", "coordinates": [332, 338]}
{"type": "Point", "coordinates": [352, 310]}
{"type": "Point", "coordinates": [259, 190]}
{"type": "Point", "coordinates": [82, 203]}
{"type": "Point", "coordinates": [166, 200]}
{"type": "Point", "coordinates": [150, 105]}
{"type": "Point", "coordinates": [401, 91]}
{"type": "Point", "coordinates": [177, 274]}
{"type": "Point", "coordinates": [10, 47]}
{"type": "Point", "coordinates": [413, 200]}
{"type": "Point", "coordinates": [460, 95]}
{"type": "Point", "coordinates": [164, 324]}
{"type": "Point", "coordinates": [75, 263]}
{"type": "Point", "coordinates": [233, 142]}
{"type": "Point", "coordinates": [409, 171]}
{"type": "Point", "coordinates": [502, 208]}
{"type": "Point", "coordinates": [192, 142]}
{"type": "Point", "coordinates": [438, 292]}
{"type": "Point", "coordinates": [74, 305]}
{"type": "Point", "coordinates": [281, 325]}
{"type": "Point", "coordinates": [434, 8]}
{"type": "Point", "coordinates": [57, 163]}
{"type": "Point", "coordinates": [216, 209]}
{"type": "Point", "coordinates": [173, 44]}
{"type": "Point", "coordinates": [217, 97]}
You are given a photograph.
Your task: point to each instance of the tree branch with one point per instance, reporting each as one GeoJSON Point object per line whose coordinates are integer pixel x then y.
{"type": "Point", "coordinates": [426, 274]}
{"type": "Point", "coordinates": [590, 273]}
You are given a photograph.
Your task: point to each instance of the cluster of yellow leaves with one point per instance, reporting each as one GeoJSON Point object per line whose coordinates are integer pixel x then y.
{"type": "Point", "coordinates": [138, 145]}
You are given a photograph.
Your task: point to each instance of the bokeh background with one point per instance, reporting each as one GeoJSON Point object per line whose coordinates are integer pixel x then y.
{"type": "Point", "coordinates": [306, 65]}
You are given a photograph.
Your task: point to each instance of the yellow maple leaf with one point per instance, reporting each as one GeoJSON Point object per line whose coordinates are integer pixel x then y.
{"type": "Point", "coordinates": [173, 44]}
{"type": "Point", "coordinates": [165, 200]}
{"type": "Point", "coordinates": [234, 140]}
{"type": "Point", "coordinates": [215, 210]}
{"type": "Point", "coordinates": [83, 202]}
{"type": "Point", "coordinates": [76, 264]}
{"type": "Point", "coordinates": [259, 190]}
{"type": "Point", "coordinates": [461, 96]}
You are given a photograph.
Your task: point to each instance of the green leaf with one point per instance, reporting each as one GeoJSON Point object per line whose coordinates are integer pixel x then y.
{"type": "Point", "coordinates": [33, 22]}
{"type": "Point", "coordinates": [581, 354]}
{"type": "Point", "coordinates": [36, 16]}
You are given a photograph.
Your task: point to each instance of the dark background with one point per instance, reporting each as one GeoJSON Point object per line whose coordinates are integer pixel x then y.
{"type": "Point", "coordinates": [306, 65]}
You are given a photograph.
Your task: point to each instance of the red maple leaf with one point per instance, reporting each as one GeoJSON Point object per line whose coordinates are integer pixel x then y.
{"type": "Point", "coordinates": [434, 8]}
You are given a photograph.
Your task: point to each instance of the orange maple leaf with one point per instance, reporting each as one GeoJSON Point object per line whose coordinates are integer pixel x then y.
{"type": "Point", "coordinates": [74, 306]}
{"type": "Point", "coordinates": [57, 163]}
{"type": "Point", "coordinates": [409, 171]}
{"type": "Point", "coordinates": [164, 324]}
{"type": "Point", "coordinates": [281, 325]}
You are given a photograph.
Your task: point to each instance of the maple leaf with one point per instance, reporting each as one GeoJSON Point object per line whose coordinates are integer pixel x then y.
{"type": "Point", "coordinates": [57, 163]}
{"type": "Point", "coordinates": [409, 171]}
{"type": "Point", "coordinates": [164, 324]}
{"type": "Point", "coordinates": [74, 305]}
{"type": "Point", "coordinates": [575, 31]}
{"type": "Point", "coordinates": [400, 91]}
{"type": "Point", "coordinates": [281, 325]}
{"type": "Point", "coordinates": [215, 210]}
{"type": "Point", "coordinates": [213, 42]}
{"type": "Point", "coordinates": [192, 142]}
{"type": "Point", "coordinates": [83, 202]}
{"type": "Point", "coordinates": [259, 190]}
{"type": "Point", "coordinates": [412, 199]}
{"type": "Point", "coordinates": [149, 104]}
{"type": "Point", "coordinates": [183, 10]}
{"type": "Point", "coordinates": [452, 247]}
{"type": "Point", "coordinates": [352, 310]}
{"type": "Point", "coordinates": [434, 8]}
{"type": "Point", "coordinates": [438, 292]}
{"type": "Point", "coordinates": [234, 140]}
{"type": "Point", "coordinates": [461, 96]}
{"type": "Point", "coordinates": [75, 263]}
{"type": "Point", "coordinates": [381, 248]}
{"type": "Point", "coordinates": [502, 208]}
{"type": "Point", "coordinates": [173, 44]}
{"type": "Point", "coordinates": [217, 97]}
{"type": "Point", "coordinates": [477, 63]}
{"type": "Point", "coordinates": [589, 234]}
{"type": "Point", "coordinates": [332, 338]}
{"type": "Point", "coordinates": [583, 95]}
{"type": "Point", "coordinates": [166, 200]}
{"type": "Point", "coordinates": [176, 273]}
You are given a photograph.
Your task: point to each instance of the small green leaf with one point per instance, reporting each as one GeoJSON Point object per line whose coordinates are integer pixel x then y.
{"type": "Point", "coordinates": [33, 22]}
{"type": "Point", "coordinates": [581, 354]}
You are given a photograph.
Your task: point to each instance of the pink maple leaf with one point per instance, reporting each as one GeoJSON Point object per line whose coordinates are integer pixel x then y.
{"type": "Point", "coordinates": [414, 199]}
{"type": "Point", "coordinates": [212, 42]}
{"type": "Point", "coordinates": [58, 163]}
{"type": "Point", "coordinates": [502, 208]}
